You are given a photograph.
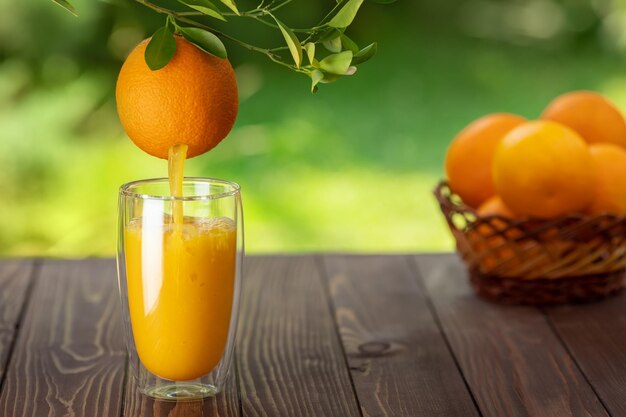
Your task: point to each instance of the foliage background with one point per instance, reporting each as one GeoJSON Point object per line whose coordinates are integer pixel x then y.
{"type": "Point", "coordinates": [348, 169]}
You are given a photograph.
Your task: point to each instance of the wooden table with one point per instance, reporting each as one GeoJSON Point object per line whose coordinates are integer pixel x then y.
{"type": "Point", "coordinates": [320, 336]}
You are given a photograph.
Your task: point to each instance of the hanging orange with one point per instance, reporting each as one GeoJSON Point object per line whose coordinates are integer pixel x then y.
{"type": "Point", "coordinates": [192, 100]}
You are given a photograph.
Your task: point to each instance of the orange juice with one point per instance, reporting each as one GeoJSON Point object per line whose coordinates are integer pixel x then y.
{"type": "Point", "coordinates": [180, 292]}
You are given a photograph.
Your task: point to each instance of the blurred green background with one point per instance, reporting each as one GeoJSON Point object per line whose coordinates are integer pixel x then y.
{"type": "Point", "coordinates": [348, 169]}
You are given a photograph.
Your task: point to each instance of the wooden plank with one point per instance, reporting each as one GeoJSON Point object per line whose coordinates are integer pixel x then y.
{"type": "Point", "coordinates": [69, 357]}
{"type": "Point", "coordinates": [512, 360]}
{"type": "Point", "coordinates": [290, 360]}
{"type": "Point", "coordinates": [595, 335]}
{"type": "Point", "coordinates": [15, 279]}
{"type": "Point", "coordinates": [399, 360]}
{"type": "Point", "coordinates": [225, 404]}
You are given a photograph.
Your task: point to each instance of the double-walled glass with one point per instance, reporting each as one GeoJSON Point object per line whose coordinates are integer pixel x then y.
{"type": "Point", "coordinates": [179, 270]}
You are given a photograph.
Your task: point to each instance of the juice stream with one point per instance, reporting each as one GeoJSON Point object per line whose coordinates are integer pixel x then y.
{"type": "Point", "coordinates": [176, 156]}
{"type": "Point", "coordinates": [180, 273]}
{"type": "Point", "coordinates": [175, 170]}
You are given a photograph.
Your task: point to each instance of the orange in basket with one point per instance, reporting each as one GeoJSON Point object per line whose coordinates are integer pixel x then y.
{"type": "Point", "coordinates": [494, 206]}
{"type": "Point", "coordinates": [543, 169]}
{"type": "Point", "coordinates": [609, 162]}
{"type": "Point", "coordinates": [590, 114]}
{"type": "Point", "coordinates": [469, 156]}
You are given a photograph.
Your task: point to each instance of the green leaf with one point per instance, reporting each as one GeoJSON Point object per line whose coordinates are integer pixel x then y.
{"type": "Point", "coordinates": [309, 48]}
{"type": "Point", "coordinates": [333, 45]}
{"type": "Point", "coordinates": [316, 77]}
{"type": "Point", "coordinates": [365, 54]}
{"type": "Point", "coordinates": [160, 49]}
{"type": "Point", "coordinates": [204, 6]}
{"type": "Point", "coordinates": [337, 63]}
{"type": "Point", "coordinates": [231, 5]}
{"type": "Point", "coordinates": [67, 6]}
{"type": "Point", "coordinates": [346, 15]}
{"type": "Point", "coordinates": [292, 42]}
{"type": "Point", "coordinates": [205, 40]}
{"type": "Point", "coordinates": [330, 78]}
{"type": "Point", "coordinates": [383, 1]}
{"type": "Point", "coordinates": [349, 44]}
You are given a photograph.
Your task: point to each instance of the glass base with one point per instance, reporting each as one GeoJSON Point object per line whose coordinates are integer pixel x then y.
{"type": "Point", "coordinates": [181, 391]}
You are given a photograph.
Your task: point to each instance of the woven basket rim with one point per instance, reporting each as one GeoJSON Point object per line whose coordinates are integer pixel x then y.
{"type": "Point", "coordinates": [462, 206]}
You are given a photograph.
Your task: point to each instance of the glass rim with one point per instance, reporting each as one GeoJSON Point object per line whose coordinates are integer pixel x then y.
{"type": "Point", "coordinates": [125, 189]}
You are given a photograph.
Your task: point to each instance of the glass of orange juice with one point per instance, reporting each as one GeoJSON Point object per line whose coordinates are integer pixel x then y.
{"type": "Point", "coordinates": [179, 270]}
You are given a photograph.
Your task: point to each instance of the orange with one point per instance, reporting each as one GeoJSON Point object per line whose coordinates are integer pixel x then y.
{"type": "Point", "coordinates": [469, 156]}
{"type": "Point", "coordinates": [192, 100]}
{"type": "Point", "coordinates": [594, 117]}
{"type": "Point", "coordinates": [494, 206]}
{"type": "Point", "coordinates": [609, 163]}
{"type": "Point", "coordinates": [543, 169]}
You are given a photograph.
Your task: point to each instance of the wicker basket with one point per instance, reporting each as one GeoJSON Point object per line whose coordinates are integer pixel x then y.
{"type": "Point", "coordinates": [574, 258]}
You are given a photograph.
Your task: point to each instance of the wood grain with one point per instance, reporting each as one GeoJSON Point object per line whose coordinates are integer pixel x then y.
{"type": "Point", "coordinates": [15, 279]}
{"type": "Point", "coordinates": [399, 360]}
{"type": "Point", "coordinates": [69, 357]}
{"type": "Point", "coordinates": [290, 360]}
{"type": "Point", "coordinates": [513, 362]}
{"type": "Point", "coordinates": [225, 404]}
{"type": "Point", "coordinates": [595, 334]}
